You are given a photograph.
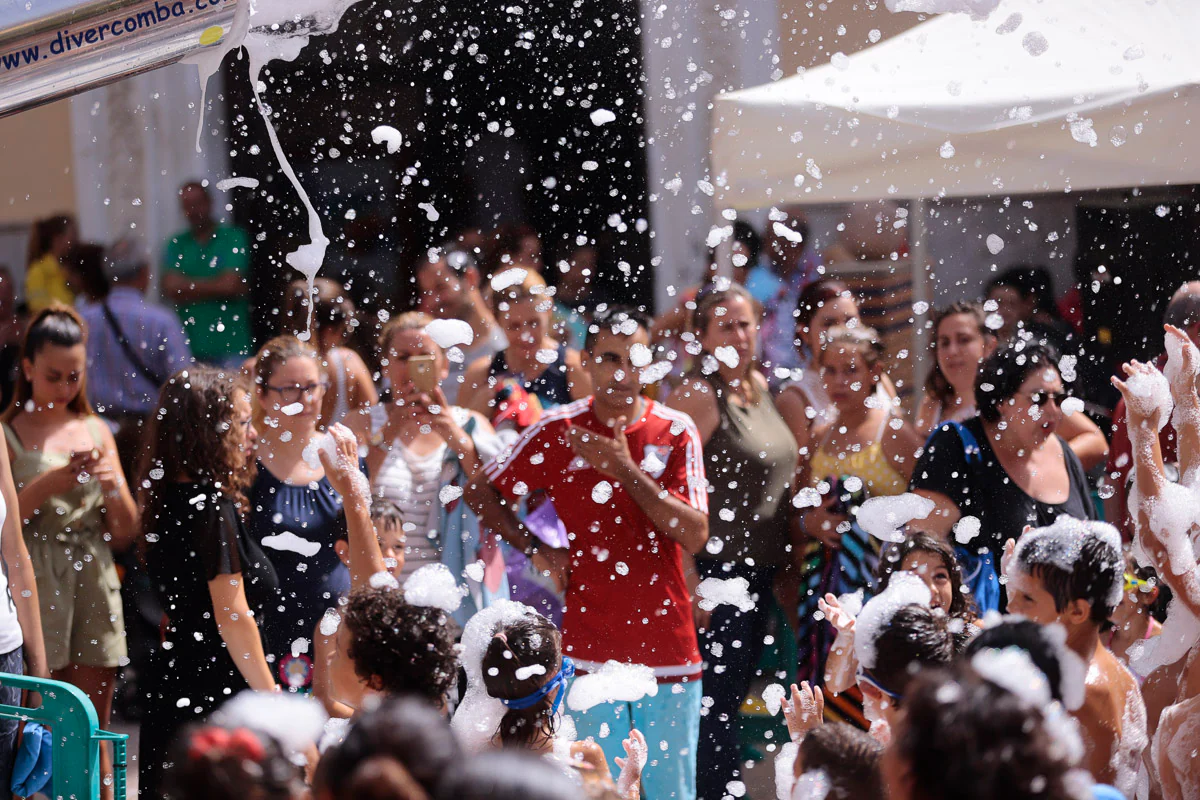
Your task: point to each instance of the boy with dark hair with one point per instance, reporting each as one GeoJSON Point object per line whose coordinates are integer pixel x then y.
{"type": "Point", "coordinates": [1071, 573]}
{"type": "Point", "coordinates": [626, 476]}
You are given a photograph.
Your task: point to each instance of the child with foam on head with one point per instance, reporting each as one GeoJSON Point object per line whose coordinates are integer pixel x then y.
{"type": "Point", "coordinates": [517, 685]}
{"type": "Point", "coordinates": [1166, 514]}
{"type": "Point", "coordinates": [836, 762]}
{"type": "Point", "coordinates": [931, 560]}
{"type": "Point", "coordinates": [1135, 619]}
{"type": "Point", "coordinates": [1071, 573]}
{"type": "Point", "coordinates": [897, 634]}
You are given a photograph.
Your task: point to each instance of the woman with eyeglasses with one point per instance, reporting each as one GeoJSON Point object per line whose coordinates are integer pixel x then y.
{"type": "Point", "coordinates": [293, 508]}
{"type": "Point", "coordinates": [1007, 468]}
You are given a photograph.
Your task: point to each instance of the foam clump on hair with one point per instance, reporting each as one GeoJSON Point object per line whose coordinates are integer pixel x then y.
{"type": "Point", "coordinates": [732, 591]}
{"type": "Point", "coordinates": [884, 517]}
{"type": "Point", "coordinates": [903, 589]}
{"type": "Point", "coordinates": [614, 682]}
{"type": "Point", "coordinates": [433, 585]}
{"type": "Point", "coordinates": [1013, 670]}
{"type": "Point", "coordinates": [447, 333]}
{"type": "Point", "coordinates": [1061, 544]}
{"type": "Point", "coordinates": [295, 721]}
{"type": "Point", "coordinates": [478, 716]}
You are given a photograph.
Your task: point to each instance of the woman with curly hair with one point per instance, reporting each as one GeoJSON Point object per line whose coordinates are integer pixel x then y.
{"type": "Point", "coordinates": [211, 578]}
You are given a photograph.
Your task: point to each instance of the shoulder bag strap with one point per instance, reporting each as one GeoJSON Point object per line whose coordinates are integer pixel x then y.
{"type": "Point", "coordinates": [129, 350]}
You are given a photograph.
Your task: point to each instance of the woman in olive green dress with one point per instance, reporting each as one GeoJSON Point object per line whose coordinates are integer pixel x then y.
{"type": "Point", "coordinates": [75, 504]}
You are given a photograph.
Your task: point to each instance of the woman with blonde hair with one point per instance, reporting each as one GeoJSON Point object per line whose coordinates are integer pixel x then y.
{"type": "Point", "coordinates": [422, 454]}
{"type": "Point", "coordinates": [866, 451]}
{"type": "Point", "coordinates": [75, 503]}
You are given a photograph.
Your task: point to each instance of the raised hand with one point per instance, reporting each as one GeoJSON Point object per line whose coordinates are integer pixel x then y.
{"type": "Point", "coordinates": [838, 617]}
{"type": "Point", "coordinates": [1144, 390]}
{"type": "Point", "coordinates": [805, 711]}
{"type": "Point", "coordinates": [636, 753]}
{"type": "Point", "coordinates": [342, 467]}
{"type": "Point", "coordinates": [1183, 361]}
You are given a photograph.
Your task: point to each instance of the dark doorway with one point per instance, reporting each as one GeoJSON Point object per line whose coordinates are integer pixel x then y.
{"type": "Point", "coordinates": [494, 105]}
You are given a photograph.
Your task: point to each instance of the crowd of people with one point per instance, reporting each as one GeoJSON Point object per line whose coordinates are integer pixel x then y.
{"type": "Point", "coordinates": [532, 544]}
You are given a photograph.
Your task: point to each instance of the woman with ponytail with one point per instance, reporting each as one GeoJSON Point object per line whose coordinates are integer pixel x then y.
{"type": "Point", "coordinates": [75, 504]}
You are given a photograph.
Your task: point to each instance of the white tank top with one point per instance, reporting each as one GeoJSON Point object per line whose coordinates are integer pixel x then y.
{"type": "Point", "coordinates": [412, 482]}
{"type": "Point", "coordinates": [10, 627]}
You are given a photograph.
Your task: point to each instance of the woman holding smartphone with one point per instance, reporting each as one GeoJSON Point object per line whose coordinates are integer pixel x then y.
{"type": "Point", "coordinates": [76, 507]}
{"type": "Point", "coordinates": [422, 453]}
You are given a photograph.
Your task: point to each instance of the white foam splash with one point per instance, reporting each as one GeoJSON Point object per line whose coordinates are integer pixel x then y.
{"type": "Point", "coordinates": [434, 586]}
{"type": "Point", "coordinates": [296, 721]}
{"type": "Point", "coordinates": [291, 543]}
{"type": "Point", "coordinates": [732, 591]}
{"type": "Point", "coordinates": [447, 333]}
{"type": "Point", "coordinates": [386, 134]}
{"type": "Point", "coordinates": [237, 182]}
{"type": "Point", "coordinates": [614, 682]}
{"type": "Point", "coordinates": [883, 517]}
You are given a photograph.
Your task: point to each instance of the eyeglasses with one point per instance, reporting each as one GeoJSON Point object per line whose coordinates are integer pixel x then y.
{"type": "Point", "coordinates": [293, 394]}
{"type": "Point", "coordinates": [1040, 399]}
{"type": "Point", "coordinates": [1135, 584]}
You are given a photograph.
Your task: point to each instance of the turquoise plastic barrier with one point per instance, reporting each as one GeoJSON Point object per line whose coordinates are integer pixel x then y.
{"type": "Point", "coordinates": [71, 718]}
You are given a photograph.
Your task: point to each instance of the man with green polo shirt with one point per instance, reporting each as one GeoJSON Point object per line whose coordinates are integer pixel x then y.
{"type": "Point", "coordinates": [204, 274]}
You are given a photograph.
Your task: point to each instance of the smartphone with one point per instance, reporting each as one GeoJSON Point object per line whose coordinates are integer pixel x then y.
{"type": "Point", "coordinates": [422, 371]}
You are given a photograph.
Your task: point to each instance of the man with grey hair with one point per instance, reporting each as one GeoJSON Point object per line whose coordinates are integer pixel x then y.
{"type": "Point", "coordinates": [1183, 311]}
{"type": "Point", "coordinates": [133, 345]}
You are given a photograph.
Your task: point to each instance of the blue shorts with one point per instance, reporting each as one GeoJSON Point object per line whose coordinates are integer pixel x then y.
{"type": "Point", "coordinates": [670, 721]}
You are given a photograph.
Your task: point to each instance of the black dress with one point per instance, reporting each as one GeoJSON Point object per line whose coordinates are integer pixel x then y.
{"type": "Point", "coordinates": [199, 537]}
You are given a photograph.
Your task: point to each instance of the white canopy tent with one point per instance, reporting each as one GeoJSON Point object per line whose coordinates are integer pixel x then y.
{"type": "Point", "coordinates": [1042, 96]}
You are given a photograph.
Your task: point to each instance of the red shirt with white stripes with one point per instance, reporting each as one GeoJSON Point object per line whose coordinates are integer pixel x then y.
{"type": "Point", "coordinates": [626, 597]}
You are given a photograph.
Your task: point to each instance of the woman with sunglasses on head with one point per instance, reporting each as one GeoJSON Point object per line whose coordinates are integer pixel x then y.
{"type": "Point", "coordinates": [293, 507]}
{"type": "Point", "coordinates": [1008, 468]}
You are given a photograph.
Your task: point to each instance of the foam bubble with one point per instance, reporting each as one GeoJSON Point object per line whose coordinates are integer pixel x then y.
{"type": "Point", "coordinates": [434, 586]}
{"type": "Point", "coordinates": [903, 589]}
{"type": "Point", "coordinates": [614, 682]}
{"type": "Point", "coordinates": [883, 517]}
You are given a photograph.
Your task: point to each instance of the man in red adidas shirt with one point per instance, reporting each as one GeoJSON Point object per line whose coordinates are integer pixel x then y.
{"type": "Point", "coordinates": [627, 479]}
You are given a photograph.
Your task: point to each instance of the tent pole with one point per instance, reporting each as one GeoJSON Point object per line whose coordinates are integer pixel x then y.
{"type": "Point", "coordinates": [922, 291]}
